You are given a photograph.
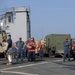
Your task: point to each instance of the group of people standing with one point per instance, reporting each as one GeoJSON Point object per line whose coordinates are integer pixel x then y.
{"type": "Point", "coordinates": [21, 50]}
{"type": "Point", "coordinates": [27, 49]}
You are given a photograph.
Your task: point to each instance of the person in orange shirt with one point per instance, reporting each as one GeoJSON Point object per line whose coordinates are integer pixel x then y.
{"type": "Point", "coordinates": [31, 49]}
{"type": "Point", "coordinates": [73, 49]}
{"type": "Point", "coordinates": [40, 50]}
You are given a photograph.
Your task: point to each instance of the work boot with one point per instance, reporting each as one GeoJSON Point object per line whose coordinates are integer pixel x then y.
{"type": "Point", "coordinates": [28, 60]}
{"type": "Point", "coordinates": [34, 60]}
{"type": "Point", "coordinates": [31, 59]}
{"type": "Point", "coordinates": [63, 60]}
{"type": "Point", "coordinates": [73, 59]}
{"type": "Point", "coordinates": [9, 63]}
{"type": "Point", "coordinates": [22, 61]}
{"type": "Point", "coordinates": [17, 60]}
{"type": "Point", "coordinates": [68, 59]}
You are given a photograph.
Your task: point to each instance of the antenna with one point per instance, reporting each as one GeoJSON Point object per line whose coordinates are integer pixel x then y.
{"type": "Point", "coordinates": [29, 9]}
{"type": "Point", "coordinates": [42, 32]}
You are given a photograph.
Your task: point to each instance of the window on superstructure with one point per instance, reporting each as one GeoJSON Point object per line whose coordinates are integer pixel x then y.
{"type": "Point", "coordinates": [9, 19]}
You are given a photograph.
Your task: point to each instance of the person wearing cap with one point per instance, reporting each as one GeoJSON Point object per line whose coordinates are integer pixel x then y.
{"type": "Point", "coordinates": [19, 47]}
{"type": "Point", "coordinates": [66, 49]}
{"type": "Point", "coordinates": [31, 49]}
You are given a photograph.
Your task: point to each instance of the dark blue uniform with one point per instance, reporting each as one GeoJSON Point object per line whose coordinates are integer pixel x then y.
{"type": "Point", "coordinates": [66, 50]}
{"type": "Point", "coordinates": [25, 51]}
{"type": "Point", "coordinates": [9, 50]}
{"type": "Point", "coordinates": [19, 45]}
{"type": "Point", "coordinates": [9, 41]}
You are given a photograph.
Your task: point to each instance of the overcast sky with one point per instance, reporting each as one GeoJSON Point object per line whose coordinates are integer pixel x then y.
{"type": "Point", "coordinates": [47, 16]}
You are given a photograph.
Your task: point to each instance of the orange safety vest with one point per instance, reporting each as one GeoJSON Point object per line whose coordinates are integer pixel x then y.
{"type": "Point", "coordinates": [31, 49]}
{"type": "Point", "coordinates": [73, 47]}
{"type": "Point", "coordinates": [41, 47]}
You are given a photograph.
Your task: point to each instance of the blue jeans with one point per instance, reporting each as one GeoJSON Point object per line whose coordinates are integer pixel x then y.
{"type": "Point", "coordinates": [19, 55]}
{"type": "Point", "coordinates": [24, 54]}
{"type": "Point", "coordinates": [41, 53]}
{"type": "Point", "coordinates": [66, 52]}
{"type": "Point", "coordinates": [31, 55]}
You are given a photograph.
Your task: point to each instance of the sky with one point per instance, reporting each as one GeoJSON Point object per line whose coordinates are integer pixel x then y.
{"type": "Point", "coordinates": [47, 16]}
